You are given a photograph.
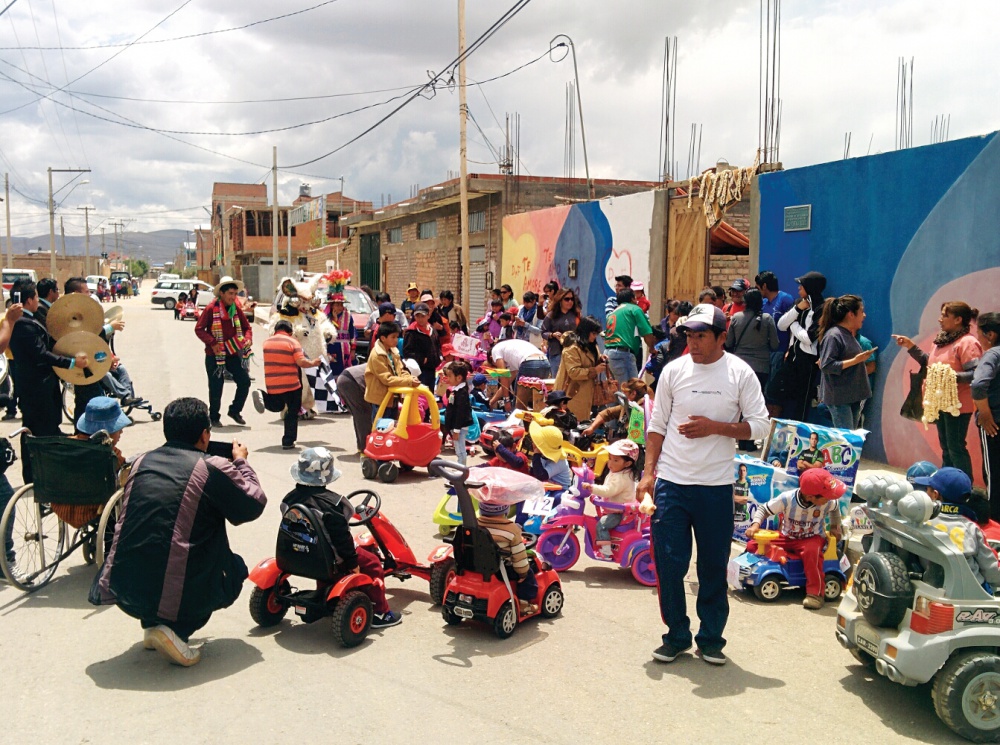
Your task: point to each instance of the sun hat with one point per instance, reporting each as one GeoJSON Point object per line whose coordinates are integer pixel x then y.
{"type": "Point", "coordinates": [412, 286]}
{"type": "Point", "coordinates": [624, 449]}
{"type": "Point", "coordinates": [314, 467]}
{"type": "Point", "coordinates": [817, 482]}
{"type": "Point", "coordinates": [556, 397]}
{"type": "Point", "coordinates": [427, 296]}
{"type": "Point", "coordinates": [548, 440]}
{"type": "Point", "coordinates": [227, 280]}
{"type": "Point", "coordinates": [102, 412]}
{"type": "Point", "coordinates": [704, 317]}
{"type": "Point", "coordinates": [638, 287]}
{"type": "Point", "coordinates": [951, 483]}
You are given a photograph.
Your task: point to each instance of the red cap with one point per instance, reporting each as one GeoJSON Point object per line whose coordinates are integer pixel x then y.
{"type": "Point", "coordinates": [817, 482]}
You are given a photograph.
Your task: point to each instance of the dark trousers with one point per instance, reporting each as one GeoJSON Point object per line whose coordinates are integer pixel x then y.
{"type": "Point", "coordinates": [290, 402]}
{"type": "Point", "coordinates": [82, 395]}
{"type": "Point", "coordinates": [952, 434]}
{"type": "Point", "coordinates": [353, 397]}
{"type": "Point", "coordinates": [707, 511]}
{"type": "Point", "coordinates": [216, 380]}
{"type": "Point", "coordinates": [8, 397]}
{"type": "Point", "coordinates": [42, 413]}
{"type": "Point", "coordinates": [991, 470]}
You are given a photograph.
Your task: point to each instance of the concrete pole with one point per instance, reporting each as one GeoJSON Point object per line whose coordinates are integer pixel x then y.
{"type": "Point", "coordinates": [10, 250]}
{"type": "Point", "coordinates": [274, 225]}
{"type": "Point", "coordinates": [52, 230]}
{"type": "Point", "coordinates": [62, 236]}
{"type": "Point", "coordinates": [86, 239]}
{"type": "Point", "coordinates": [463, 167]}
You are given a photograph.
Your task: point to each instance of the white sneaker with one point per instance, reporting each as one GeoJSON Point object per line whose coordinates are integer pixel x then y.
{"type": "Point", "coordinates": [258, 400]}
{"type": "Point", "coordinates": [171, 646]}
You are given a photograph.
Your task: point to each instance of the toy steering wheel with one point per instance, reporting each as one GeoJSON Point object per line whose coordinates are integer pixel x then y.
{"type": "Point", "coordinates": [364, 510]}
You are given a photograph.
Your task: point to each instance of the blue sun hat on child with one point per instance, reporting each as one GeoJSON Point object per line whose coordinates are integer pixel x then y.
{"type": "Point", "coordinates": [314, 468]}
{"type": "Point", "coordinates": [102, 412]}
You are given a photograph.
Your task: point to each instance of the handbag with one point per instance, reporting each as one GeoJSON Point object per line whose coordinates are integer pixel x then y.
{"type": "Point", "coordinates": [604, 391]}
{"type": "Point", "coordinates": [913, 404]}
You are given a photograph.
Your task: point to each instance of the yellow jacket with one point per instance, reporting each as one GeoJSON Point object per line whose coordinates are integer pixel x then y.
{"type": "Point", "coordinates": [381, 373]}
{"type": "Point", "coordinates": [576, 376]}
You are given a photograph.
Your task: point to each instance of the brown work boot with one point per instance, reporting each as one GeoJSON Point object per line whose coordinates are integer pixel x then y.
{"type": "Point", "coordinates": [813, 602]}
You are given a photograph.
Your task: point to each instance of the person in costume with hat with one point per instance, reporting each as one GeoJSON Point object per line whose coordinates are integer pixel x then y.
{"type": "Point", "coordinates": [313, 472]}
{"type": "Point", "coordinates": [802, 534]}
{"type": "Point", "coordinates": [340, 349]}
{"type": "Point", "coordinates": [412, 298]}
{"type": "Point", "coordinates": [228, 339]}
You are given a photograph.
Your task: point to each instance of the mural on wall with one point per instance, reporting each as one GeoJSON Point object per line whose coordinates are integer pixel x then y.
{"type": "Point", "coordinates": [605, 238]}
{"type": "Point", "coordinates": [908, 231]}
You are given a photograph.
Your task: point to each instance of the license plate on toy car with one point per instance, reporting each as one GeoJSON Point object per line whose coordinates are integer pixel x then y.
{"type": "Point", "coordinates": [540, 506]}
{"type": "Point", "coordinates": [866, 642]}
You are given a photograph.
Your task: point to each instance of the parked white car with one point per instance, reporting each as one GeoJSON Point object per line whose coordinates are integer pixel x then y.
{"type": "Point", "coordinates": [166, 292]}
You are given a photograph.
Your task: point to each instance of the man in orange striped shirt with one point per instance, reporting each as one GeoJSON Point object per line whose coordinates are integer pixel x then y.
{"type": "Point", "coordinates": [283, 356]}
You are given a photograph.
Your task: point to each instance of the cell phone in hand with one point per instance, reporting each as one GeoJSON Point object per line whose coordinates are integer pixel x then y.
{"type": "Point", "coordinates": [221, 449]}
{"type": "Point", "coordinates": [15, 297]}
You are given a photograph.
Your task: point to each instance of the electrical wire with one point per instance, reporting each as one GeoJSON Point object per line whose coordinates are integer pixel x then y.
{"type": "Point", "coordinates": [176, 38]}
{"type": "Point", "coordinates": [76, 119]}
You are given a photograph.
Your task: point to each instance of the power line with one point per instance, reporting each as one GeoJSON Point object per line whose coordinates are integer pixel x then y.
{"type": "Point", "coordinates": [176, 38]}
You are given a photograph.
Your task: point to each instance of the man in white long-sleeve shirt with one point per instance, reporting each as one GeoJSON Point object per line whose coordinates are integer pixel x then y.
{"type": "Point", "coordinates": [705, 402]}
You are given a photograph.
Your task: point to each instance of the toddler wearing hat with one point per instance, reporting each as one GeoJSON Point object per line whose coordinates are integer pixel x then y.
{"type": "Point", "coordinates": [480, 398]}
{"type": "Point", "coordinates": [510, 540]}
{"type": "Point", "coordinates": [952, 487]}
{"type": "Point", "coordinates": [618, 486]}
{"type": "Point", "coordinates": [557, 410]}
{"type": "Point", "coordinates": [313, 470]}
{"type": "Point", "coordinates": [803, 529]}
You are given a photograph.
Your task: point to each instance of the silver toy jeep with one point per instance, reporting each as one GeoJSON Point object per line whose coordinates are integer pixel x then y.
{"type": "Point", "coordinates": [915, 612]}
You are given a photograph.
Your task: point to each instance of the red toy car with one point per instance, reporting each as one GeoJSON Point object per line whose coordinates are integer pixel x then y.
{"type": "Point", "coordinates": [304, 551]}
{"type": "Point", "coordinates": [409, 440]}
{"type": "Point", "coordinates": [481, 588]}
{"type": "Point", "coordinates": [490, 432]}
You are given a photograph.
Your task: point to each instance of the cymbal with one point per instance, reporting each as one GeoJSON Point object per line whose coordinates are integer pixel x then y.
{"type": "Point", "coordinates": [74, 312]}
{"type": "Point", "coordinates": [113, 313]}
{"type": "Point", "coordinates": [98, 355]}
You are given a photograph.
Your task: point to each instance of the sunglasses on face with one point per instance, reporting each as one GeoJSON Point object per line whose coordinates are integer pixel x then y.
{"type": "Point", "coordinates": [568, 298]}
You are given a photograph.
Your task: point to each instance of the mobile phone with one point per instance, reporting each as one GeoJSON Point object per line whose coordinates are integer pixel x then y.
{"type": "Point", "coordinates": [15, 297]}
{"type": "Point", "coordinates": [221, 449]}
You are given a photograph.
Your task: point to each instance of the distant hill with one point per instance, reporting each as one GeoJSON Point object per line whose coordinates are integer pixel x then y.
{"type": "Point", "coordinates": [159, 246]}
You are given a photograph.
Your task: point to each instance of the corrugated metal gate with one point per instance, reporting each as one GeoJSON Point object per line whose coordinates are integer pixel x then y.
{"type": "Point", "coordinates": [371, 263]}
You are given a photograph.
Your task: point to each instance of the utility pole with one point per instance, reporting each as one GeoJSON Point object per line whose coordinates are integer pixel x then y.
{"type": "Point", "coordinates": [274, 225]}
{"type": "Point", "coordinates": [6, 190]}
{"type": "Point", "coordinates": [62, 236]}
{"type": "Point", "coordinates": [104, 249]}
{"type": "Point", "coordinates": [463, 167]}
{"type": "Point", "coordinates": [86, 242]}
{"type": "Point", "coordinates": [52, 215]}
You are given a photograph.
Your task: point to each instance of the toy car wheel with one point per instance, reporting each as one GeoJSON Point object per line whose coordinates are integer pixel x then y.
{"type": "Point", "coordinates": [643, 568]}
{"type": "Point", "coordinates": [505, 622]}
{"type": "Point", "coordinates": [156, 416]}
{"type": "Point", "coordinates": [352, 618]}
{"type": "Point", "coordinates": [266, 609]}
{"type": "Point", "coordinates": [883, 588]}
{"type": "Point", "coordinates": [442, 573]}
{"type": "Point", "coordinates": [966, 695]}
{"type": "Point", "coordinates": [446, 530]}
{"type": "Point", "coordinates": [368, 468]}
{"type": "Point", "coordinates": [552, 601]}
{"type": "Point", "coordinates": [832, 587]}
{"type": "Point", "coordinates": [450, 618]}
{"type": "Point", "coordinates": [405, 468]}
{"type": "Point", "coordinates": [563, 558]}
{"type": "Point", "coordinates": [387, 472]}
{"type": "Point", "coordinates": [768, 589]}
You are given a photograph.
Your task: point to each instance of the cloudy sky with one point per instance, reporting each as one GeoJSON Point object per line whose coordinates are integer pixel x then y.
{"type": "Point", "coordinates": [161, 99]}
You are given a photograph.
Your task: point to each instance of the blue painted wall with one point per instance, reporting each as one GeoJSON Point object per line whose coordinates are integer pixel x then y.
{"type": "Point", "coordinates": [893, 228]}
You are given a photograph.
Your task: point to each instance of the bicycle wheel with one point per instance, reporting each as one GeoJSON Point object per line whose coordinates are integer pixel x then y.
{"type": "Point", "coordinates": [106, 527]}
{"type": "Point", "coordinates": [69, 401]}
{"type": "Point", "coordinates": [37, 537]}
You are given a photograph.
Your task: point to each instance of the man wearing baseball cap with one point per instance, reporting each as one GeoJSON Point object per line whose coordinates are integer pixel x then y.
{"type": "Point", "coordinates": [737, 290]}
{"type": "Point", "coordinates": [705, 401]}
{"type": "Point", "coordinates": [803, 529]}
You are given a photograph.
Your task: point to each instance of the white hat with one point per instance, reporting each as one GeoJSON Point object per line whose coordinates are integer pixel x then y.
{"type": "Point", "coordinates": [227, 280]}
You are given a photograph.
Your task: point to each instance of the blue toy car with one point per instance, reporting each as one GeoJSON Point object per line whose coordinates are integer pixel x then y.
{"type": "Point", "coordinates": [769, 572]}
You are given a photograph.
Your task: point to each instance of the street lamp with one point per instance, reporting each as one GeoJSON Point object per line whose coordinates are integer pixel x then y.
{"type": "Point", "coordinates": [52, 214]}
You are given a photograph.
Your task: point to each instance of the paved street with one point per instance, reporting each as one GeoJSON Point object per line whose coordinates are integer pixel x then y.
{"type": "Point", "coordinates": [76, 673]}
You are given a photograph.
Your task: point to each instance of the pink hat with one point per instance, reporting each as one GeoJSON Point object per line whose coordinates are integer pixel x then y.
{"type": "Point", "coordinates": [625, 449]}
{"type": "Point", "coordinates": [638, 287]}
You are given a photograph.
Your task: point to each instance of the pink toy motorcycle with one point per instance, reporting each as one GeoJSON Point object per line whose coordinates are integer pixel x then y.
{"type": "Point", "coordinates": [630, 549]}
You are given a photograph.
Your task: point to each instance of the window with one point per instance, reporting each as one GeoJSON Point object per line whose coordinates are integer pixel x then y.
{"type": "Point", "coordinates": [394, 235]}
{"type": "Point", "coordinates": [477, 221]}
{"type": "Point", "coordinates": [427, 230]}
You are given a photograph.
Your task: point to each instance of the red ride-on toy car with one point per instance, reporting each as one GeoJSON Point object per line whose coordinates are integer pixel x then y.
{"type": "Point", "coordinates": [409, 440]}
{"type": "Point", "coordinates": [482, 588]}
{"type": "Point", "coordinates": [304, 551]}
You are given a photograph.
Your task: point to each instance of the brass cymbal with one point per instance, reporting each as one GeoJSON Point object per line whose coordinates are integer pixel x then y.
{"type": "Point", "coordinates": [113, 313]}
{"type": "Point", "coordinates": [98, 356]}
{"type": "Point", "coordinates": [74, 312]}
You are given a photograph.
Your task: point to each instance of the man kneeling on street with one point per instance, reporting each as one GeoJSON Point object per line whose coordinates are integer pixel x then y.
{"type": "Point", "coordinates": [170, 565]}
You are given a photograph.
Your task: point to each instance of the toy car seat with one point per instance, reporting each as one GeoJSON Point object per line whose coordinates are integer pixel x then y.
{"type": "Point", "coordinates": [304, 548]}
{"type": "Point", "coordinates": [476, 551]}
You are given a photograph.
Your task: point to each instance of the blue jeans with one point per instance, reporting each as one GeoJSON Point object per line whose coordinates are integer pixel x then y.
{"type": "Point", "coordinates": [845, 416]}
{"type": "Point", "coordinates": [708, 512]}
{"type": "Point", "coordinates": [608, 522]}
{"type": "Point", "coordinates": [554, 361]}
{"type": "Point", "coordinates": [6, 492]}
{"type": "Point", "coordinates": [458, 437]}
{"type": "Point", "coordinates": [531, 369]}
{"type": "Point", "coordinates": [621, 362]}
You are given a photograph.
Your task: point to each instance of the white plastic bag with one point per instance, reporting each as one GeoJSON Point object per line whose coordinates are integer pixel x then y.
{"type": "Point", "coordinates": [504, 486]}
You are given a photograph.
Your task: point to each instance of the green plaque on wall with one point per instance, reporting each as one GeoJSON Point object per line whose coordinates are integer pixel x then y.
{"type": "Point", "coordinates": [798, 217]}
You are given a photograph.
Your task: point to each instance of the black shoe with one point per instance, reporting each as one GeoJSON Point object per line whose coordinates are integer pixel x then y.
{"type": "Point", "coordinates": [9, 415]}
{"type": "Point", "coordinates": [385, 620]}
{"type": "Point", "coordinates": [288, 447]}
{"type": "Point", "coordinates": [668, 652]}
{"type": "Point", "coordinates": [217, 420]}
{"type": "Point", "coordinates": [713, 656]}
{"type": "Point", "coordinates": [237, 418]}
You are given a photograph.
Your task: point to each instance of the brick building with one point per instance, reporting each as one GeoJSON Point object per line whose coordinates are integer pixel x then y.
{"type": "Point", "coordinates": [419, 239]}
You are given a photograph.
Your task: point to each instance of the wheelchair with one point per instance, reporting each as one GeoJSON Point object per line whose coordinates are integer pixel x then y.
{"type": "Point", "coordinates": [72, 479]}
{"type": "Point", "coordinates": [69, 403]}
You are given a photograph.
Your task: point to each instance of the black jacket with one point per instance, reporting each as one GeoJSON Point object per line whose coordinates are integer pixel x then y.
{"type": "Point", "coordinates": [37, 384]}
{"type": "Point", "coordinates": [330, 506]}
{"type": "Point", "coordinates": [458, 409]}
{"type": "Point", "coordinates": [170, 558]}
{"type": "Point", "coordinates": [425, 349]}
